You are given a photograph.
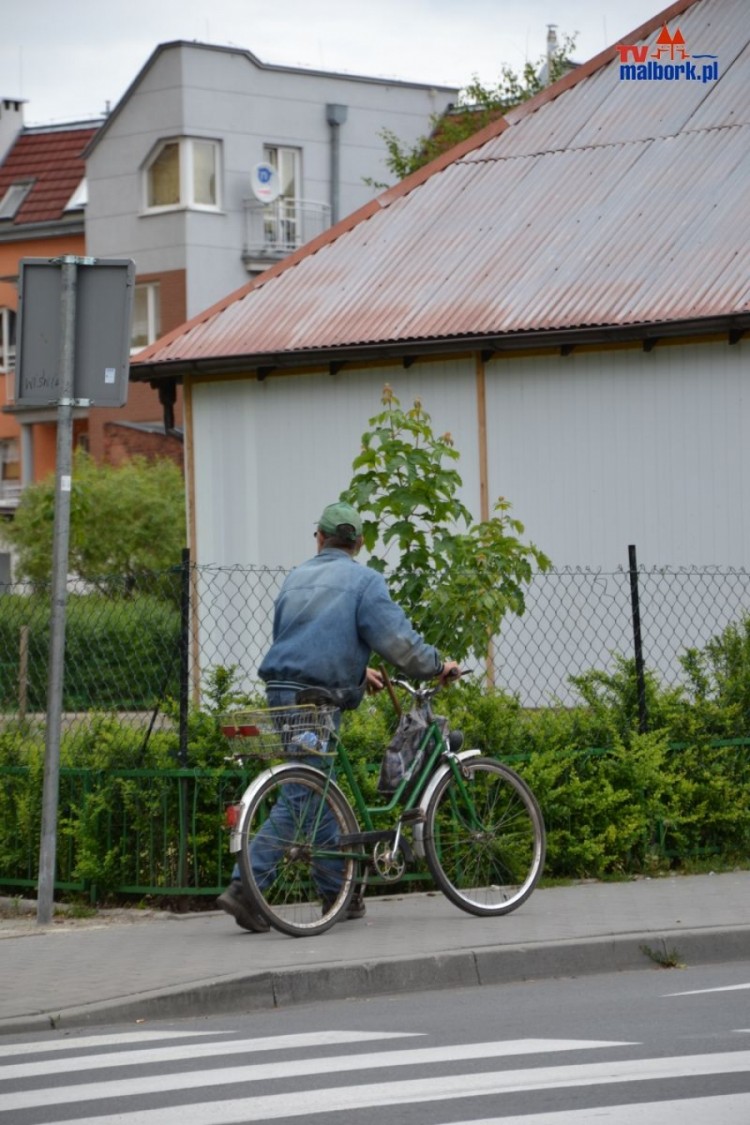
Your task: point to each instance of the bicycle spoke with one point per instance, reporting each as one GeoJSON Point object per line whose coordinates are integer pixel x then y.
{"type": "Point", "coordinates": [485, 839]}
{"type": "Point", "coordinates": [291, 863]}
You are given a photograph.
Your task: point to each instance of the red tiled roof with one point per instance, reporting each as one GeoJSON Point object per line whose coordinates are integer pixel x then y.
{"type": "Point", "coordinates": [53, 160]}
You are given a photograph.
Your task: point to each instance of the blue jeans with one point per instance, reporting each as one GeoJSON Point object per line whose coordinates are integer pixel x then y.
{"type": "Point", "coordinates": [296, 806]}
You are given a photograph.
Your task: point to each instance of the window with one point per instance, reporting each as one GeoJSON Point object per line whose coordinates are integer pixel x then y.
{"type": "Point", "coordinates": [7, 339]}
{"type": "Point", "coordinates": [164, 177]}
{"type": "Point", "coordinates": [13, 199]}
{"type": "Point", "coordinates": [204, 173]}
{"type": "Point", "coordinates": [10, 468]}
{"type": "Point", "coordinates": [282, 218]}
{"type": "Point", "coordinates": [146, 316]}
{"type": "Point", "coordinates": [183, 173]}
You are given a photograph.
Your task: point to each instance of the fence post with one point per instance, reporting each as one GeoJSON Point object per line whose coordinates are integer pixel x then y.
{"type": "Point", "coordinates": [182, 754]}
{"type": "Point", "coordinates": [23, 672]}
{"type": "Point", "coordinates": [640, 677]}
{"type": "Point", "coordinates": [184, 656]}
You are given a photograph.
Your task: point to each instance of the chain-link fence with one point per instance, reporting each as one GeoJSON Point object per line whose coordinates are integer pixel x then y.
{"type": "Point", "coordinates": [146, 650]}
{"type": "Point", "coordinates": [144, 775]}
{"type": "Point", "coordinates": [578, 620]}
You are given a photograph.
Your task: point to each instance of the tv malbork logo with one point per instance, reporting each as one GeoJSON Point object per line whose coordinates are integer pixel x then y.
{"type": "Point", "coordinates": [666, 60]}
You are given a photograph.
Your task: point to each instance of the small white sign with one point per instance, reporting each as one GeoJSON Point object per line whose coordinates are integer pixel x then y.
{"type": "Point", "coordinates": [65, 483]}
{"type": "Point", "coordinates": [109, 374]}
{"type": "Point", "coordinates": [264, 181]}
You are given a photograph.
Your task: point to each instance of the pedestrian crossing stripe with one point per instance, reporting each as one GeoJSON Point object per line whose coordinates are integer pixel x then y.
{"type": "Point", "coordinates": [708, 991]}
{"type": "Point", "coordinates": [726, 1109]}
{"type": "Point", "coordinates": [194, 1051]}
{"type": "Point", "coordinates": [75, 1044]}
{"type": "Point", "coordinates": [268, 1072]}
{"type": "Point", "coordinates": [305, 1103]}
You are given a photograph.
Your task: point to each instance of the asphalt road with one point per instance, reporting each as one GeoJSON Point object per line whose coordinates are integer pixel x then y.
{"type": "Point", "coordinates": [656, 1047]}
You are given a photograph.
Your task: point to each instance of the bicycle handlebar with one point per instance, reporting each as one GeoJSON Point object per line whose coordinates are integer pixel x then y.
{"type": "Point", "coordinates": [429, 692]}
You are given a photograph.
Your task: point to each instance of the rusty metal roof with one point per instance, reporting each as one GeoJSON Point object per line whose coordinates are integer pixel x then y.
{"type": "Point", "coordinates": [602, 203]}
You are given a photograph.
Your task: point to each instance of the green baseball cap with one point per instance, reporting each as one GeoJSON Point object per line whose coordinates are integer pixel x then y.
{"type": "Point", "coordinates": [342, 520]}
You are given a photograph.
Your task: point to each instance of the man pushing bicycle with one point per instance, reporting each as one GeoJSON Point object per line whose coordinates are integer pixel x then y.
{"type": "Point", "coordinates": [331, 615]}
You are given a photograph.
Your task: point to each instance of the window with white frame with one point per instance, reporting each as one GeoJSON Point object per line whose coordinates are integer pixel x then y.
{"type": "Point", "coordinates": [7, 339]}
{"type": "Point", "coordinates": [146, 315]}
{"type": "Point", "coordinates": [282, 218]}
{"type": "Point", "coordinates": [183, 172]}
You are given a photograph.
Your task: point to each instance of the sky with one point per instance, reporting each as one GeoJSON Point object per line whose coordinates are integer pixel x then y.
{"type": "Point", "coordinates": [69, 59]}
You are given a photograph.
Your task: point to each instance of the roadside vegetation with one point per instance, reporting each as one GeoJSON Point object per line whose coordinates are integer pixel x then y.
{"type": "Point", "coordinates": [617, 802]}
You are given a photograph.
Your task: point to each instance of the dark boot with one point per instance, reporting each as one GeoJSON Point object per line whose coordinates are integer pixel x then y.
{"type": "Point", "coordinates": [355, 909]}
{"type": "Point", "coordinates": [234, 902]}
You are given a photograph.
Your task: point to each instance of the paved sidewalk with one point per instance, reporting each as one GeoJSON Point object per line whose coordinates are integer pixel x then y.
{"type": "Point", "coordinates": [128, 966]}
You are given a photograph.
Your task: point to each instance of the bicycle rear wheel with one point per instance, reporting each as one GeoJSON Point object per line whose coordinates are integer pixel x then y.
{"type": "Point", "coordinates": [292, 868]}
{"type": "Point", "coordinates": [485, 844]}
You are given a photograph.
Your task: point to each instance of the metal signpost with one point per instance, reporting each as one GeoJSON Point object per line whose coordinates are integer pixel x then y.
{"type": "Point", "coordinates": [73, 349]}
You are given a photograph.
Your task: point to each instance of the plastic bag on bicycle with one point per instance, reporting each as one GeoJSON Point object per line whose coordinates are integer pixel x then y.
{"type": "Point", "coordinates": [402, 756]}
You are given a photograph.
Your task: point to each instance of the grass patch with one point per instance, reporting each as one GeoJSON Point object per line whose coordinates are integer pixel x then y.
{"type": "Point", "coordinates": [664, 958]}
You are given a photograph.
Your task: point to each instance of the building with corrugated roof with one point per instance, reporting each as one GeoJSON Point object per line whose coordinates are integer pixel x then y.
{"type": "Point", "coordinates": [568, 292]}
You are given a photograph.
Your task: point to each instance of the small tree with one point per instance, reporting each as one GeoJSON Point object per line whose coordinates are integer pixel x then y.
{"type": "Point", "coordinates": [124, 521]}
{"type": "Point", "coordinates": [454, 578]}
{"type": "Point", "coordinates": [476, 107]}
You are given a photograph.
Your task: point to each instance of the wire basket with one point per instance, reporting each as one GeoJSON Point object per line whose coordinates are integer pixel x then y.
{"type": "Point", "coordinates": [281, 731]}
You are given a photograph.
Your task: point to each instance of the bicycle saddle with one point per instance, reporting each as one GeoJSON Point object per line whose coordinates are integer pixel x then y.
{"type": "Point", "coordinates": [319, 697]}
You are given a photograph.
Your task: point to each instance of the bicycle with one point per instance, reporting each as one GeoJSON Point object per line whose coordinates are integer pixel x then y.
{"type": "Point", "coordinates": [473, 819]}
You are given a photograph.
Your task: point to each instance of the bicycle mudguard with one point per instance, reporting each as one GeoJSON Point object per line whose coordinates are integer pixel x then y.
{"type": "Point", "coordinates": [426, 797]}
{"type": "Point", "coordinates": [235, 837]}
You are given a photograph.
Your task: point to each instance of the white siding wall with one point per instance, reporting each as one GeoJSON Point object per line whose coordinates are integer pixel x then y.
{"type": "Point", "coordinates": [269, 456]}
{"type": "Point", "coordinates": [595, 451]}
{"type": "Point", "coordinates": [609, 448]}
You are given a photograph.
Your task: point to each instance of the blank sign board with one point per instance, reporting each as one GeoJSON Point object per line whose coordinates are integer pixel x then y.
{"type": "Point", "coordinates": [104, 311]}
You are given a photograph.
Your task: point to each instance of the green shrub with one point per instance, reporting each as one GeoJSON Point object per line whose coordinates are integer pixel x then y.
{"type": "Point", "coordinates": [615, 802]}
{"type": "Point", "coordinates": [119, 654]}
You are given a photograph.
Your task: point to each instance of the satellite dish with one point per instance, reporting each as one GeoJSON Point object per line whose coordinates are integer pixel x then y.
{"type": "Point", "coordinates": [264, 182]}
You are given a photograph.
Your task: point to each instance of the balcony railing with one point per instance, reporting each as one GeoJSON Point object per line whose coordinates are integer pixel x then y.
{"type": "Point", "coordinates": [273, 230]}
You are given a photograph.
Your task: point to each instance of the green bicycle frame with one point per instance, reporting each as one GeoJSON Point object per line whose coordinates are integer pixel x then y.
{"type": "Point", "coordinates": [418, 780]}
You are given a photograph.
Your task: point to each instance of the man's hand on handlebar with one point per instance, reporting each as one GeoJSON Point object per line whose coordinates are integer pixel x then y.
{"type": "Point", "coordinates": [450, 671]}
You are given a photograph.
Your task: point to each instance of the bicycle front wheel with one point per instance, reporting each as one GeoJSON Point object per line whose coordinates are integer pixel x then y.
{"type": "Point", "coordinates": [293, 868]}
{"type": "Point", "coordinates": [484, 838]}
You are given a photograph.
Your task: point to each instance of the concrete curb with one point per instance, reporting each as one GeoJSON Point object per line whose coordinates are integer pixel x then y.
{"type": "Point", "coordinates": [265, 990]}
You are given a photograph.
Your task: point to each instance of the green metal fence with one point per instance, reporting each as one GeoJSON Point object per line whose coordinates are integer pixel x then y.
{"type": "Point", "coordinates": [143, 833]}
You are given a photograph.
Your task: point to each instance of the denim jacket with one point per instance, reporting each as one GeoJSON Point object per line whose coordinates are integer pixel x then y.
{"type": "Point", "coordinates": [332, 613]}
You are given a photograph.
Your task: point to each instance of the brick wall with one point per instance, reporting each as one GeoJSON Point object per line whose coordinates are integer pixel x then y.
{"type": "Point", "coordinates": [121, 442]}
